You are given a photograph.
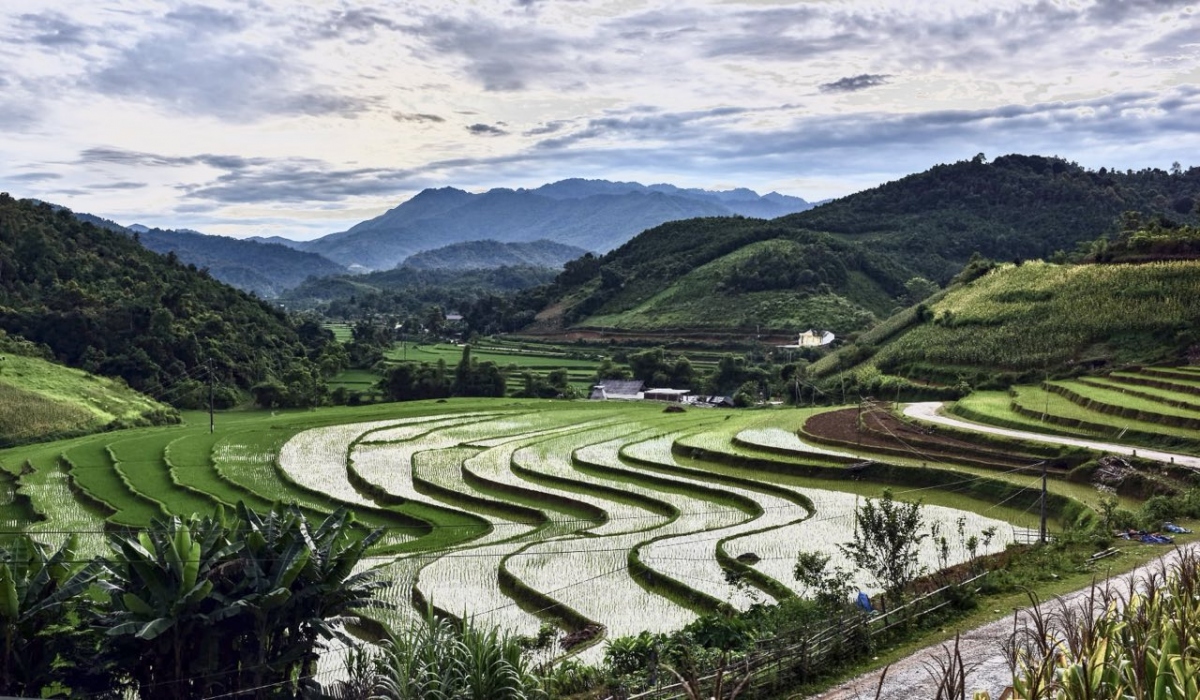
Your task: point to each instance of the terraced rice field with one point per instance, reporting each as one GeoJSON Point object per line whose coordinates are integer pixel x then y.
{"type": "Point", "coordinates": [520, 513]}
{"type": "Point", "coordinates": [1155, 406]}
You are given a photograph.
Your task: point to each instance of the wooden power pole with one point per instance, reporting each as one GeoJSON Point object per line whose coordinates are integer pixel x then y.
{"type": "Point", "coordinates": [211, 421]}
{"type": "Point", "coordinates": [1043, 528]}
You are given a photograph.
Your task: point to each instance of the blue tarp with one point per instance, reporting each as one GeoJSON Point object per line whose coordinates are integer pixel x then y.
{"type": "Point", "coordinates": [864, 602]}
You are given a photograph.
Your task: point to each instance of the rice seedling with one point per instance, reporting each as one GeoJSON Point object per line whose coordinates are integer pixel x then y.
{"type": "Point", "coordinates": [140, 460]}
{"type": "Point", "coordinates": [464, 583]}
{"type": "Point", "coordinates": [779, 439]}
{"type": "Point", "coordinates": [191, 464]}
{"type": "Point", "coordinates": [48, 488]}
{"type": "Point", "coordinates": [316, 459]}
{"type": "Point", "coordinates": [91, 466]}
{"type": "Point", "coordinates": [692, 557]}
{"type": "Point", "coordinates": [833, 524]}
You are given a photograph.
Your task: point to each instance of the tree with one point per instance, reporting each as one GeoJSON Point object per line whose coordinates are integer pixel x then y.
{"type": "Point", "coordinates": [830, 588]}
{"type": "Point", "coordinates": [202, 607]}
{"type": "Point", "coordinates": [919, 289]}
{"type": "Point", "coordinates": [887, 542]}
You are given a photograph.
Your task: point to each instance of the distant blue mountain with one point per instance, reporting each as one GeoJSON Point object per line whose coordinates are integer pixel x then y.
{"type": "Point", "coordinates": [594, 215]}
{"type": "Point", "coordinates": [266, 269]}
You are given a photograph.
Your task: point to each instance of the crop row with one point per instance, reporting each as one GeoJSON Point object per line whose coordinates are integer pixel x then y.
{"type": "Point", "coordinates": [516, 513]}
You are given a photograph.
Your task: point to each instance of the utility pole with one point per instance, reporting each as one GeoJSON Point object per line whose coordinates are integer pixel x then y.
{"type": "Point", "coordinates": [211, 422]}
{"type": "Point", "coordinates": [1043, 530]}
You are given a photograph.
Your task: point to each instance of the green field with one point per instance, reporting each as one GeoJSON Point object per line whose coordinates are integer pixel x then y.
{"type": "Point", "coordinates": [523, 512]}
{"type": "Point", "coordinates": [1040, 315]}
{"type": "Point", "coordinates": [519, 511]}
{"type": "Point", "coordinates": [41, 399]}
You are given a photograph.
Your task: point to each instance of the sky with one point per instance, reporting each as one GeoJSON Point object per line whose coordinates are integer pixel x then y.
{"type": "Point", "coordinates": [282, 117]}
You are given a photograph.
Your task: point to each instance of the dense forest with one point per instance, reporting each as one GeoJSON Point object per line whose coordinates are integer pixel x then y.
{"type": "Point", "coordinates": [1013, 207]}
{"type": "Point", "coordinates": [410, 291]}
{"type": "Point", "coordinates": [476, 255]}
{"type": "Point", "coordinates": [101, 302]}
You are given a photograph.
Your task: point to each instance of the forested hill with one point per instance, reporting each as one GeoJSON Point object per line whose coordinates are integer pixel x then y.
{"type": "Point", "coordinates": [1013, 207]}
{"type": "Point", "coordinates": [828, 265]}
{"type": "Point", "coordinates": [480, 255]}
{"type": "Point", "coordinates": [103, 303]}
{"type": "Point", "coordinates": [265, 268]}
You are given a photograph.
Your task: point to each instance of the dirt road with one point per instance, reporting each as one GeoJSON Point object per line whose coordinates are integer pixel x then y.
{"type": "Point", "coordinates": [928, 411]}
{"type": "Point", "coordinates": [982, 648]}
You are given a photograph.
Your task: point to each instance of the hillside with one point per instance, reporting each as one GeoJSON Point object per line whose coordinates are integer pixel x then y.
{"type": "Point", "coordinates": [477, 255]}
{"type": "Point", "coordinates": [265, 269]}
{"type": "Point", "coordinates": [103, 303]}
{"type": "Point", "coordinates": [1013, 207]}
{"type": "Point", "coordinates": [724, 274]}
{"type": "Point", "coordinates": [409, 290]}
{"type": "Point", "coordinates": [1022, 323]}
{"type": "Point", "coordinates": [594, 215]}
{"type": "Point", "coordinates": [261, 267]}
{"type": "Point", "coordinates": [859, 251]}
{"type": "Point", "coordinates": [41, 400]}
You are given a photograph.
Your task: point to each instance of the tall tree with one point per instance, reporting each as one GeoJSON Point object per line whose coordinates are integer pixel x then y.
{"type": "Point", "coordinates": [887, 542]}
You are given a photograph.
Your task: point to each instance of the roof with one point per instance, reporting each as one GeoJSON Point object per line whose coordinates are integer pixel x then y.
{"type": "Point", "coordinates": [620, 387]}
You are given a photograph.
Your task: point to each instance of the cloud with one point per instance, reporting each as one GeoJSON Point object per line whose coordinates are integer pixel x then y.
{"type": "Point", "coordinates": [547, 128]}
{"type": "Point", "coordinates": [50, 29]}
{"type": "Point", "coordinates": [206, 18]}
{"type": "Point", "coordinates": [342, 24]}
{"type": "Point", "coordinates": [120, 156]}
{"type": "Point", "coordinates": [416, 117]}
{"type": "Point", "coordinates": [119, 186]}
{"type": "Point", "coordinates": [646, 125]}
{"type": "Point", "coordinates": [855, 83]}
{"type": "Point", "coordinates": [207, 62]}
{"type": "Point", "coordinates": [486, 130]}
{"type": "Point", "coordinates": [34, 177]}
{"type": "Point", "coordinates": [298, 181]}
{"type": "Point", "coordinates": [501, 58]}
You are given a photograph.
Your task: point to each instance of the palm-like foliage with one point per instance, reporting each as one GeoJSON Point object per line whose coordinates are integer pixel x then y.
{"type": "Point", "coordinates": [299, 588]}
{"type": "Point", "coordinates": [199, 607]}
{"type": "Point", "coordinates": [40, 614]}
{"type": "Point", "coordinates": [443, 660]}
{"type": "Point", "coordinates": [164, 607]}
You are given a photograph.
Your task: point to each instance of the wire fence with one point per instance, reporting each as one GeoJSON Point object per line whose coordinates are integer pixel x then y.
{"type": "Point", "coordinates": [782, 662]}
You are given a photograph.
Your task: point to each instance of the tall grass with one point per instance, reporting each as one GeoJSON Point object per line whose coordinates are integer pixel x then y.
{"type": "Point", "coordinates": [1043, 315]}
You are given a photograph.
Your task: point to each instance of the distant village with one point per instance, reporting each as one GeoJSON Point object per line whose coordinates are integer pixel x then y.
{"type": "Point", "coordinates": [635, 389]}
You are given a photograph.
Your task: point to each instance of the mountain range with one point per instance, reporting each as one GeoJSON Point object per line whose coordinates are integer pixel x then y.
{"type": "Point", "coordinates": [844, 265]}
{"type": "Point", "coordinates": [480, 255]}
{"type": "Point", "coordinates": [265, 269]}
{"type": "Point", "coordinates": [595, 215]}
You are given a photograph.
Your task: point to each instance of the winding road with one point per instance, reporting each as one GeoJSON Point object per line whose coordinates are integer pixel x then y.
{"type": "Point", "coordinates": [930, 412]}
{"type": "Point", "coordinates": [982, 649]}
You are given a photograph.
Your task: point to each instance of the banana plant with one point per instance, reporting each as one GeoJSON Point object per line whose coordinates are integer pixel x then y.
{"type": "Point", "coordinates": [41, 605]}
{"type": "Point", "coordinates": [164, 613]}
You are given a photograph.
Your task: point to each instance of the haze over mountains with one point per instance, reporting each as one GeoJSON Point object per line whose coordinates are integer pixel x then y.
{"type": "Point", "coordinates": [266, 269]}
{"type": "Point", "coordinates": [595, 215]}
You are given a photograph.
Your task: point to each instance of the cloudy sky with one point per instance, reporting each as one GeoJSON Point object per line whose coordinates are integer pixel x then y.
{"type": "Point", "coordinates": [281, 117]}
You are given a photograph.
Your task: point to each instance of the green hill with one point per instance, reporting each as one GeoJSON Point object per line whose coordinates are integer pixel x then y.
{"type": "Point", "coordinates": [41, 400]}
{"type": "Point", "coordinates": [1020, 323]}
{"type": "Point", "coordinates": [489, 254]}
{"type": "Point", "coordinates": [834, 265]}
{"type": "Point", "coordinates": [103, 303]}
{"type": "Point", "coordinates": [1015, 207]}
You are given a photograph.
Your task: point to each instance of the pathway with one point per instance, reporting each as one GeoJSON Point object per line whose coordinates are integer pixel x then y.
{"type": "Point", "coordinates": [930, 411]}
{"type": "Point", "coordinates": [982, 649]}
